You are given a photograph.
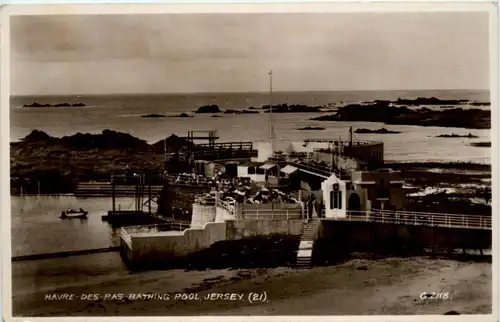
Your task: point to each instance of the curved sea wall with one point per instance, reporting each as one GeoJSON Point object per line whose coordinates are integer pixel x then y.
{"type": "Point", "coordinates": [164, 246]}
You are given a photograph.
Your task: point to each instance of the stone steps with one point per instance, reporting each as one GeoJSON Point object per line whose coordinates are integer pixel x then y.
{"type": "Point", "coordinates": [304, 253]}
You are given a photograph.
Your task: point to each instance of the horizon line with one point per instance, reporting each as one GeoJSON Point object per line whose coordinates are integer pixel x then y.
{"type": "Point", "coordinates": [249, 92]}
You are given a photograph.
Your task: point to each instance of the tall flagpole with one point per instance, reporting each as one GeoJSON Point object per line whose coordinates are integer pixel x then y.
{"type": "Point", "coordinates": [271, 134]}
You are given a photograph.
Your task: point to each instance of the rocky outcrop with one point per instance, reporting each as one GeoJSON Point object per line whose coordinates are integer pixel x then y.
{"type": "Point", "coordinates": [183, 115]}
{"type": "Point", "coordinates": [378, 131]}
{"type": "Point", "coordinates": [481, 144]}
{"type": "Point", "coordinates": [241, 112]}
{"type": "Point", "coordinates": [36, 104]}
{"type": "Point", "coordinates": [153, 115]}
{"type": "Point", "coordinates": [311, 128]}
{"type": "Point", "coordinates": [453, 135]}
{"type": "Point", "coordinates": [385, 112]}
{"type": "Point", "coordinates": [61, 162]}
{"type": "Point", "coordinates": [428, 101]}
{"type": "Point", "coordinates": [209, 109]}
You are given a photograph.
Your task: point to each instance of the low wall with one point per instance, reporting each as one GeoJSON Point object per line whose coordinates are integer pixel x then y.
{"type": "Point", "coordinates": [237, 229]}
{"type": "Point", "coordinates": [162, 246]}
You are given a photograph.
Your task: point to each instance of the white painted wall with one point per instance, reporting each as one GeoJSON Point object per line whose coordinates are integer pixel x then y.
{"type": "Point", "coordinates": [243, 173]}
{"type": "Point", "coordinates": [221, 215]}
{"type": "Point", "coordinates": [327, 187]}
{"type": "Point", "coordinates": [202, 215]}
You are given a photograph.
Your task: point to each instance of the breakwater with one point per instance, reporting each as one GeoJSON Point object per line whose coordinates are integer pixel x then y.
{"type": "Point", "coordinates": [65, 254]}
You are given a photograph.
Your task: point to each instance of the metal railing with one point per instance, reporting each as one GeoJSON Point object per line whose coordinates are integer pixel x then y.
{"type": "Point", "coordinates": [139, 229]}
{"type": "Point", "coordinates": [271, 214]}
{"type": "Point", "coordinates": [420, 218]}
{"type": "Point", "coordinates": [226, 206]}
{"type": "Point", "coordinates": [186, 180]}
{"type": "Point", "coordinates": [318, 168]}
{"type": "Point", "coordinates": [323, 170]}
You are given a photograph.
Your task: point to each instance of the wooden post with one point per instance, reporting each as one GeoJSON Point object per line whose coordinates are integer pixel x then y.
{"type": "Point", "coordinates": [149, 195]}
{"type": "Point", "coordinates": [113, 194]}
{"type": "Point", "coordinates": [434, 241]}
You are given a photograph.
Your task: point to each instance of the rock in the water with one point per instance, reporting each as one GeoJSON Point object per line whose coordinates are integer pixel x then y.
{"type": "Point", "coordinates": [153, 115]}
{"type": "Point", "coordinates": [311, 128]}
{"type": "Point", "coordinates": [379, 131]}
{"type": "Point", "coordinates": [209, 109]}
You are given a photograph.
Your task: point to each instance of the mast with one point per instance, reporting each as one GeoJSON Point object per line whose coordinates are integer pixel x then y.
{"type": "Point", "coordinates": [271, 134]}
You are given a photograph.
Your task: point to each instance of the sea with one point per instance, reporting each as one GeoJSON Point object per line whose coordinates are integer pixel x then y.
{"type": "Point", "coordinates": [36, 227]}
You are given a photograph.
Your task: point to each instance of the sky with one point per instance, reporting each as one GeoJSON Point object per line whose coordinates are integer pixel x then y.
{"type": "Point", "coordinates": [185, 53]}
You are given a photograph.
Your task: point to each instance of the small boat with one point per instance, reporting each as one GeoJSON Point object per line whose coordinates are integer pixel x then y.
{"type": "Point", "coordinates": [70, 213]}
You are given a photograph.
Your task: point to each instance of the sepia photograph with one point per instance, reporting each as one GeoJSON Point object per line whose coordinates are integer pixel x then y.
{"type": "Point", "coordinates": [250, 160]}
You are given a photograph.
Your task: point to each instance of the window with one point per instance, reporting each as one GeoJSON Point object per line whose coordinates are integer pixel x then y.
{"type": "Point", "coordinates": [335, 199]}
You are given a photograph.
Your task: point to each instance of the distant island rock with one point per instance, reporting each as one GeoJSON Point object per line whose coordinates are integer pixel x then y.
{"type": "Point", "coordinates": [36, 104]}
{"type": "Point", "coordinates": [182, 115]}
{"type": "Point", "coordinates": [385, 112]}
{"type": "Point", "coordinates": [209, 109]}
{"type": "Point", "coordinates": [311, 128]}
{"type": "Point", "coordinates": [480, 103]}
{"type": "Point", "coordinates": [153, 115]}
{"type": "Point", "coordinates": [379, 131]}
{"type": "Point", "coordinates": [428, 101]}
{"type": "Point", "coordinates": [296, 108]}
{"type": "Point", "coordinates": [240, 112]}
{"type": "Point", "coordinates": [453, 135]}
{"type": "Point", "coordinates": [481, 144]}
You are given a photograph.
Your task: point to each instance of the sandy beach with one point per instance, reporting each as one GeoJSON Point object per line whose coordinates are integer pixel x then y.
{"type": "Point", "coordinates": [356, 287]}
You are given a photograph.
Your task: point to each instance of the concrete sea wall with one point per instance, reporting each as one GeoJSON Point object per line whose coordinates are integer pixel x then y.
{"type": "Point", "coordinates": [349, 236]}
{"type": "Point", "coordinates": [163, 246]}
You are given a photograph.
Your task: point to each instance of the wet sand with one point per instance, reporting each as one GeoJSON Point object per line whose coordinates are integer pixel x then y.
{"type": "Point", "coordinates": [357, 287]}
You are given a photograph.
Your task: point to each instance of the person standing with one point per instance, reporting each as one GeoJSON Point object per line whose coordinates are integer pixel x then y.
{"type": "Point", "coordinates": [309, 208]}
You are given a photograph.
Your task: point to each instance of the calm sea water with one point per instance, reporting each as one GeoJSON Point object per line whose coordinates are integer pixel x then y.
{"type": "Point", "coordinates": [122, 113]}
{"type": "Point", "coordinates": [36, 227]}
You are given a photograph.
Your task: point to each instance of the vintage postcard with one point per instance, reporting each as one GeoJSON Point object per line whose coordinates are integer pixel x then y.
{"type": "Point", "coordinates": [327, 161]}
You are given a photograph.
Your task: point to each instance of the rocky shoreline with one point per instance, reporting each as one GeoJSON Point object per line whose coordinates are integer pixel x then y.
{"type": "Point", "coordinates": [386, 112]}
{"type": "Point", "coordinates": [60, 163]}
